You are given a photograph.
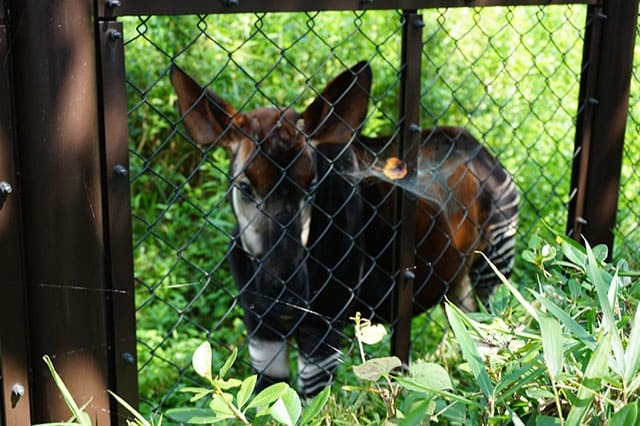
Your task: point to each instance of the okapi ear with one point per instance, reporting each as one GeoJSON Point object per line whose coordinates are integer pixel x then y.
{"type": "Point", "coordinates": [205, 114]}
{"type": "Point", "coordinates": [339, 111]}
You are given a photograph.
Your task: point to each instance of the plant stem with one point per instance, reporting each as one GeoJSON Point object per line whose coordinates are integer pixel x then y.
{"type": "Point", "coordinates": [556, 396]}
{"type": "Point", "coordinates": [361, 348]}
{"type": "Point", "coordinates": [239, 415]}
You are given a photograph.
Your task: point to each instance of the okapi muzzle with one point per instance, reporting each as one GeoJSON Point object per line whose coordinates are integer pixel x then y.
{"type": "Point", "coordinates": [281, 281]}
{"type": "Point", "coordinates": [271, 174]}
{"type": "Point", "coordinates": [315, 228]}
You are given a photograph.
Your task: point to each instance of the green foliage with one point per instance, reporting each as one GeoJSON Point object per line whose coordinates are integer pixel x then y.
{"type": "Point", "coordinates": [79, 417]}
{"type": "Point", "coordinates": [217, 403]}
{"type": "Point", "coordinates": [566, 353]}
{"type": "Point", "coordinates": [138, 419]}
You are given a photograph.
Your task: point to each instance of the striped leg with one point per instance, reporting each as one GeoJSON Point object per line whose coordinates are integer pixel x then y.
{"type": "Point", "coordinates": [320, 351]}
{"type": "Point", "coordinates": [501, 253]}
{"type": "Point", "coordinates": [463, 296]}
{"type": "Point", "coordinates": [269, 359]}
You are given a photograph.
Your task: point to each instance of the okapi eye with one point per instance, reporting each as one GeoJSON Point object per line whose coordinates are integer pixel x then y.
{"type": "Point", "coordinates": [246, 190]}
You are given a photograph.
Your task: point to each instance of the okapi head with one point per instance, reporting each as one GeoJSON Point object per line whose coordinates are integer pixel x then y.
{"type": "Point", "coordinates": [273, 171]}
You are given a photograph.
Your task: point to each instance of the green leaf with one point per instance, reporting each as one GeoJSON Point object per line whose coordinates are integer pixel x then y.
{"type": "Point", "coordinates": [430, 375]}
{"type": "Point", "coordinates": [596, 368]}
{"type": "Point", "coordinates": [551, 343]}
{"type": "Point", "coordinates": [634, 385]}
{"type": "Point", "coordinates": [228, 363]}
{"type": "Point", "coordinates": [547, 252]}
{"type": "Point", "coordinates": [517, 379]}
{"type": "Point", "coordinates": [59, 424]}
{"type": "Point", "coordinates": [517, 421]}
{"type": "Point", "coordinates": [220, 405]}
{"type": "Point", "coordinates": [201, 360]}
{"type": "Point", "coordinates": [82, 417]}
{"type": "Point", "coordinates": [458, 414]}
{"type": "Point", "coordinates": [411, 385]}
{"type": "Point", "coordinates": [469, 349]}
{"type": "Point", "coordinates": [190, 389]}
{"type": "Point", "coordinates": [196, 416]}
{"type": "Point", "coordinates": [371, 333]}
{"type": "Point", "coordinates": [198, 393]}
{"type": "Point", "coordinates": [626, 416]}
{"type": "Point", "coordinates": [632, 353]}
{"type": "Point", "coordinates": [316, 406]}
{"type": "Point", "coordinates": [512, 289]}
{"type": "Point", "coordinates": [268, 395]}
{"type": "Point", "coordinates": [375, 368]}
{"type": "Point", "coordinates": [287, 408]}
{"type": "Point", "coordinates": [600, 252]}
{"type": "Point", "coordinates": [245, 391]}
{"type": "Point", "coordinates": [547, 421]}
{"type": "Point", "coordinates": [136, 414]}
{"type": "Point", "coordinates": [614, 281]}
{"type": "Point", "coordinates": [535, 242]}
{"type": "Point", "coordinates": [529, 256]}
{"type": "Point", "coordinates": [575, 329]}
{"type": "Point", "coordinates": [418, 413]}
{"type": "Point", "coordinates": [597, 277]}
{"type": "Point", "coordinates": [226, 384]}
{"type": "Point", "coordinates": [539, 393]}
{"type": "Point", "coordinates": [574, 252]}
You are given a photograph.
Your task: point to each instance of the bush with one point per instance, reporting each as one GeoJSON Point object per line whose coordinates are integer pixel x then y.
{"type": "Point", "coordinates": [566, 353]}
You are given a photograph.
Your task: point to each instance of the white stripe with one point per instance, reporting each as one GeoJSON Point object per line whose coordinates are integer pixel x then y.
{"type": "Point", "coordinates": [502, 249]}
{"type": "Point", "coordinates": [507, 224]}
{"type": "Point", "coordinates": [311, 370]}
{"type": "Point", "coordinates": [269, 357]}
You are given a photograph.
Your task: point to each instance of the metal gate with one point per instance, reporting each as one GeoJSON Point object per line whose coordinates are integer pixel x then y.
{"type": "Point", "coordinates": [66, 277]}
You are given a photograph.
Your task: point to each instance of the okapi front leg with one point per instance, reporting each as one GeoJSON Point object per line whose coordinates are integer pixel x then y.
{"type": "Point", "coordinates": [270, 360]}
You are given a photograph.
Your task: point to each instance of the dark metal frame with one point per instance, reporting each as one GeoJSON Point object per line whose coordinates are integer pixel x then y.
{"type": "Point", "coordinates": [60, 193]}
{"type": "Point", "coordinates": [114, 8]}
{"type": "Point", "coordinates": [602, 116]}
{"type": "Point", "coordinates": [66, 225]}
{"type": "Point", "coordinates": [14, 354]}
{"type": "Point", "coordinates": [405, 214]}
{"type": "Point", "coordinates": [117, 202]}
{"type": "Point", "coordinates": [68, 257]}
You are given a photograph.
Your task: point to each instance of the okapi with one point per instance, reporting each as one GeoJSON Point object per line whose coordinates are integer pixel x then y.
{"type": "Point", "coordinates": [312, 243]}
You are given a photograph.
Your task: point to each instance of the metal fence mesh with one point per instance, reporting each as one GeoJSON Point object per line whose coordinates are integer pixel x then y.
{"type": "Point", "coordinates": [626, 233]}
{"type": "Point", "coordinates": [510, 76]}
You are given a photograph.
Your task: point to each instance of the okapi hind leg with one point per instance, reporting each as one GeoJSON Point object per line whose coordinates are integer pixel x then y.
{"type": "Point", "coordinates": [320, 349]}
{"type": "Point", "coordinates": [463, 295]}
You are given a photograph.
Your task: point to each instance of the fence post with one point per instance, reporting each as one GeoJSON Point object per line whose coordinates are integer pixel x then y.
{"type": "Point", "coordinates": [14, 373]}
{"type": "Point", "coordinates": [602, 113]}
{"type": "Point", "coordinates": [114, 132]}
{"type": "Point", "coordinates": [405, 214]}
{"type": "Point", "coordinates": [54, 71]}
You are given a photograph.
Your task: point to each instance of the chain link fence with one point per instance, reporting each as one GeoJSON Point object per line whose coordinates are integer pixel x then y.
{"type": "Point", "coordinates": [509, 76]}
{"type": "Point", "coordinates": [627, 240]}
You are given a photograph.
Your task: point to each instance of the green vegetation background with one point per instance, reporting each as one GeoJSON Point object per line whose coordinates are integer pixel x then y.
{"type": "Point", "coordinates": [509, 75]}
